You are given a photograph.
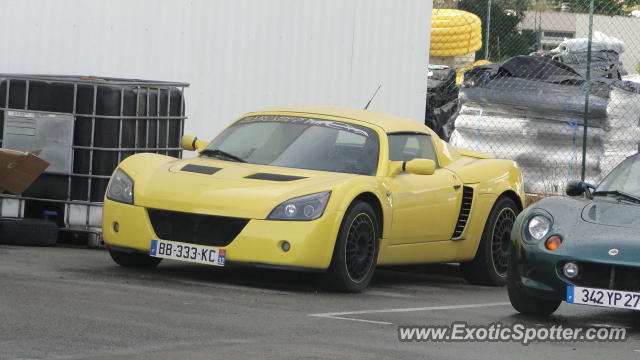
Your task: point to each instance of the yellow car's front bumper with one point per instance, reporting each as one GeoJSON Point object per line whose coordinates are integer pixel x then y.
{"type": "Point", "coordinates": [259, 242]}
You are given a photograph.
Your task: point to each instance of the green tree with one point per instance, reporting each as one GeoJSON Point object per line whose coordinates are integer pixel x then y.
{"type": "Point", "coordinates": [504, 38]}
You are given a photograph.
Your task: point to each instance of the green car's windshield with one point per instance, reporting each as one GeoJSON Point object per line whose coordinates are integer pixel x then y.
{"type": "Point", "coordinates": [623, 181]}
{"type": "Point", "coordinates": [299, 142]}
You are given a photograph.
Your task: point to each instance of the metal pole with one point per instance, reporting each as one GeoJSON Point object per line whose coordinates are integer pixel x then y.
{"type": "Point", "coordinates": [539, 32]}
{"type": "Point", "coordinates": [486, 40]}
{"type": "Point", "coordinates": [587, 92]}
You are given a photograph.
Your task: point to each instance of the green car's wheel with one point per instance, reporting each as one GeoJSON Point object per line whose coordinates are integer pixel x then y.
{"type": "Point", "coordinates": [489, 267]}
{"type": "Point", "coordinates": [356, 249]}
{"type": "Point", "coordinates": [134, 260]}
{"type": "Point", "coordinates": [526, 303]}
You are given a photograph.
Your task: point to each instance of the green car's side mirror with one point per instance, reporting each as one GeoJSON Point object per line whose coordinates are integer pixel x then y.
{"type": "Point", "coordinates": [191, 143]}
{"type": "Point", "coordinates": [578, 188]}
{"type": "Point", "coordinates": [574, 188]}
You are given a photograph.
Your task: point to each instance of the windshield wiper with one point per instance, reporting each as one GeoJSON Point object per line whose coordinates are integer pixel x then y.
{"type": "Point", "coordinates": [221, 154]}
{"type": "Point", "coordinates": [622, 194]}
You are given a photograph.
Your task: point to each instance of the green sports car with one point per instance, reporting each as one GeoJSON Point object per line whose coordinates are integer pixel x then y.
{"type": "Point", "coordinates": [583, 249]}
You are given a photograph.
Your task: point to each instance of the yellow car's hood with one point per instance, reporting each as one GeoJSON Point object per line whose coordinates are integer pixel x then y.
{"type": "Point", "coordinates": [217, 187]}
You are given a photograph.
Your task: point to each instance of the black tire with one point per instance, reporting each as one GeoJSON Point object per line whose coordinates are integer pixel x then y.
{"type": "Point", "coordinates": [29, 232]}
{"type": "Point", "coordinates": [489, 266]}
{"type": "Point", "coordinates": [526, 303]}
{"type": "Point", "coordinates": [356, 251]}
{"type": "Point", "coordinates": [134, 259]}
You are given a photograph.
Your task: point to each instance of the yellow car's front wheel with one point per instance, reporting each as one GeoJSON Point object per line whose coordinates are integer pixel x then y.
{"type": "Point", "coordinates": [356, 249]}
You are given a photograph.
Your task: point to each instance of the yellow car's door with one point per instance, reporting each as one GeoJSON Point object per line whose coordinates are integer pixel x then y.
{"type": "Point", "coordinates": [425, 207]}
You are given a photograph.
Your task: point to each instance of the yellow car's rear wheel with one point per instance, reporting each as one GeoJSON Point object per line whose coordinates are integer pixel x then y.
{"type": "Point", "coordinates": [489, 266]}
{"type": "Point", "coordinates": [356, 249]}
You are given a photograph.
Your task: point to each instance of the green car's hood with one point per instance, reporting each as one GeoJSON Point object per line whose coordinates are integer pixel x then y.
{"type": "Point", "coordinates": [590, 228]}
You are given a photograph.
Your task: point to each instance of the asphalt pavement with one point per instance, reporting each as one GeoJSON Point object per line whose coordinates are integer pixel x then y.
{"type": "Point", "coordinates": [75, 303]}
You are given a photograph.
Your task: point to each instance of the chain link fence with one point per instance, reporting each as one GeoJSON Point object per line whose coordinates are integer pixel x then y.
{"type": "Point", "coordinates": [553, 85]}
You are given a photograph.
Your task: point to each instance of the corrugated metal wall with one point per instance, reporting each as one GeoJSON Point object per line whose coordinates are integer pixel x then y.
{"type": "Point", "coordinates": [238, 55]}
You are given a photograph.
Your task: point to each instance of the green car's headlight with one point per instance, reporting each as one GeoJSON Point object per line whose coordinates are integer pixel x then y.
{"type": "Point", "coordinates": [539, 226]}
{"type": "Point", "coordinates": [120, 188]}
{"type": "Point", "coordinates": [303, 208]}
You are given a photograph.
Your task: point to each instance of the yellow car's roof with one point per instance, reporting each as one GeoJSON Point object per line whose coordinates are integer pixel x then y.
{"type": "Point", "coordinates": [389, 123]}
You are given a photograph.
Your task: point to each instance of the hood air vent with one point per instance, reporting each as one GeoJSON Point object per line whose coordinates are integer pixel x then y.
{"type": "Point", "coordinates": [274, 177]}
{"type": "Point", "coordinates": [199, 169]}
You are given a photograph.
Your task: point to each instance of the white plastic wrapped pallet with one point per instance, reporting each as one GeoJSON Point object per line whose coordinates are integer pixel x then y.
{"type": "Point", "coordinates": [539, 124]}
{"type": "Point", "coordinates": [623, 136]}
{"type": "Point", "coordinates": [600, 42]}
{"type": "Point", "coordinates": [548, 152]}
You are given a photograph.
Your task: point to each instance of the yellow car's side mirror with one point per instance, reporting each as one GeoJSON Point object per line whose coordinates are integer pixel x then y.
{"type": "Point", "coordinates": [191, 143]}
{"type": "Point", "coordinates": [415, 166]}
{"type": "Point", "coordinates": [188, 142]}
{"type": "Point", "coordinates": [420, 166]}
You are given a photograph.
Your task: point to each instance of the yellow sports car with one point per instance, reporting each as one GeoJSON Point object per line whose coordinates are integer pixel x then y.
{"type": "Point", "coordinates": [317, 188]}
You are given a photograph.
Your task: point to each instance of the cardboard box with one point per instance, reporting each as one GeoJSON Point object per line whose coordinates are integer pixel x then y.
{"type": "Point", "coordinates": [19, 169]}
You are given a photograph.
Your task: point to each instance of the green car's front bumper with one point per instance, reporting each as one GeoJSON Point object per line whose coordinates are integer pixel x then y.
{"type": "Point", "coordinates": [540, 271]}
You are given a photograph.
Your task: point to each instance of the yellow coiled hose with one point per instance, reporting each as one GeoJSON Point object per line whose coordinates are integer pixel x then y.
{"type": "Point", "coordinates": [454, 32]}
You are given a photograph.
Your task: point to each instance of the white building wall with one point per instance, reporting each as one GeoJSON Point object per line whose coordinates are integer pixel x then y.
{"type": "Point", "coordinates": [238, 55]}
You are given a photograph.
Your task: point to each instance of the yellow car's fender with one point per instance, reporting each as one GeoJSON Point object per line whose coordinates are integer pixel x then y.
{"type": "Point", "coordinates": [492, 176]}
{"type": "Point", "coordinates": [372, 191]}
{"type": "Point", "coordinates": [490, 179]}
{"type": "Point", "coordinates": [141, 166]}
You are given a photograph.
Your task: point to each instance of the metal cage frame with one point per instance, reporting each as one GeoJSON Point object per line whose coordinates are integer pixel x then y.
{"type": "Point", "coordinates": [96, 82]}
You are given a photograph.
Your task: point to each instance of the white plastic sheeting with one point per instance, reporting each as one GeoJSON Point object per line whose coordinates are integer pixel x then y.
{"type": "Point", "coordinates": [548, 149]}
{"type": "Point", "coordinates": [600, 42]}
{"type": "Point", "coordinates": [548, 152]}
{"type": "Point", "coordinates": [238, 55]}
{"type": "Point", "coordinates": [623, 137]}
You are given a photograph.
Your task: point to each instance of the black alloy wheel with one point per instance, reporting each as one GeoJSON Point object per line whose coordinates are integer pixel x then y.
{"type": "Point", "coordinates": [360, 247]}
{"type": "Point", "coordinates": [356, 249]}
{"type": "Point", "coordinates": [500, 238]}
{"type": "Point", "coordinates": [489, 266]}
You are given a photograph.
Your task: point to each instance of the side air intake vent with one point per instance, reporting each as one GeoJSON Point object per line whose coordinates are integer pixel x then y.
{"type": "Point", "coordinates": [465, 210]}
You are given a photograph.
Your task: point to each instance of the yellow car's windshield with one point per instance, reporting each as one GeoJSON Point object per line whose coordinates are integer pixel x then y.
{"type": "Point", "coordinates": [299, 142]}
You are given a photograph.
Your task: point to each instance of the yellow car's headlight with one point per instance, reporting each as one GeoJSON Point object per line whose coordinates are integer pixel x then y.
{"type": "Point", "coordinates": [303, 208]}
{"type": "Point", "coordinates": [120, 187]}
